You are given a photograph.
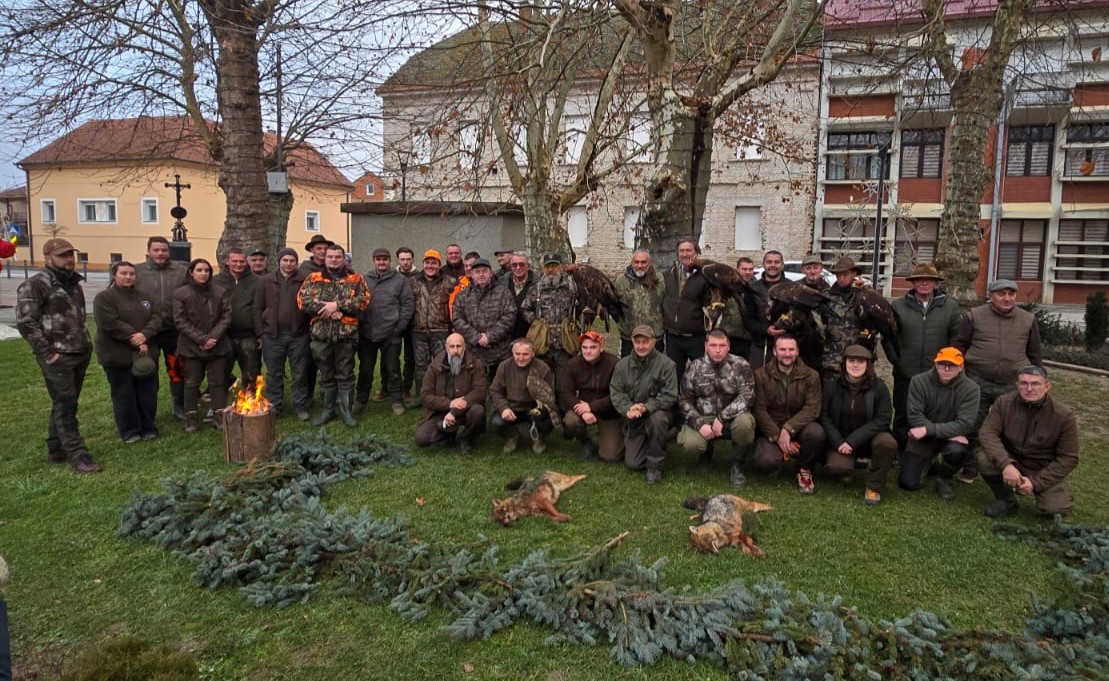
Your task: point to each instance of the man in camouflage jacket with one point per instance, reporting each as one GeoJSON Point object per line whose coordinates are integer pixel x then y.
{"type": "Point", "coordinates": [51, 317]}
{"type": "Point", "coordinates": [844, 328]}
{"type": "Point", "coordinates": [715, 399]}
{"type": "Point", "coordinates": [334, 298]}
{"type": "Point", "coordinates": [485, 314]}
{"type": "Point", "coordinates": [554, 299]}
{"type": "Point", "coordinates": [640, 290]}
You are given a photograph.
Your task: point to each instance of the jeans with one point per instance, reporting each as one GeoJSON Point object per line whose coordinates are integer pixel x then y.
{"type": "Point", "coordinates": [134, 402]}
{"type": "Point", "coordinates": [276, 350]}
{"type": "Point", "coordinates": [64, 380]}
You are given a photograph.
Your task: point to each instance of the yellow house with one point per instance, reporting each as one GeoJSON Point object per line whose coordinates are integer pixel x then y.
{"type": "Point", "coordinates": [109, 185]}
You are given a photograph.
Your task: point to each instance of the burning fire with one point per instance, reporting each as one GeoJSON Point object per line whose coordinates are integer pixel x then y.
{"type": "Point", "coordinates": [250, 402]}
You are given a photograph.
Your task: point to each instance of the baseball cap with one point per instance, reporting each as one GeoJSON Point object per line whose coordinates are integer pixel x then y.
{"type": "Point", "coordinates": [811, 259]}
{"type": "Point", "coordinates": [552, 259]}
{"type": "Point", "coordinates": [481, 262]}
{"type": "Point", "coordinates": [382, 253]}
{"type": "Point", "coordinates": [643, 330]}
{"type": "Point", "coordinates": [57, 247]}
{"type": "Point", "coordinates": [593, 336]}
{"type": "Point", "coordinates": [432, 253]}
{"type": "Point", "coordinates": [949, 355]}
{"type": "Point", "coordinates": [255, 251]}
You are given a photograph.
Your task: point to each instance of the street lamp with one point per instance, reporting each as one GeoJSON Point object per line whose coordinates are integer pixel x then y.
{"type": "Point", "coordinates": [402, 160]}
{"type": "Point", "coordinates": [883, 163]}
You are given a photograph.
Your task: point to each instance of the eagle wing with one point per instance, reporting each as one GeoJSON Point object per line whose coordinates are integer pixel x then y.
{"type": "Point", "coordinates": [722, 277]}
{"type": "Point", "coordinates": [795, 293]}
{"type": "Point", "coordinates": [596, 293]}
{"type": "Point", "coordinates": [541, 392]}
{"type": "Point", "coordinates": [877, 312]}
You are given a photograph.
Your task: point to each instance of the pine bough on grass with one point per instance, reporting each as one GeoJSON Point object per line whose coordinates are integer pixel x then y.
{"type": "Point", "coordinates": [264, 528]}
{"type": "Point", "coordinates": [266, 531]}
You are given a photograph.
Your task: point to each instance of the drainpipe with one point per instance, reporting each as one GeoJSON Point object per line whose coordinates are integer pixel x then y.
{"type": "Point", "coordinates": [999, 173]}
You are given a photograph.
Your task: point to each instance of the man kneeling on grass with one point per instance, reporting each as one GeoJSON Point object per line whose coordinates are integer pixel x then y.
{"type": "Point", "coordinates": [523, 395]}
{"type": "Point", "coordinates": [1029, 446]}
{"type": "Point", "coordinates": [453, 395]}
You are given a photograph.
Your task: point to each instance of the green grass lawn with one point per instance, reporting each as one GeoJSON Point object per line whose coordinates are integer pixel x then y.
{"type": "Point", "coordinates": [75, 583]}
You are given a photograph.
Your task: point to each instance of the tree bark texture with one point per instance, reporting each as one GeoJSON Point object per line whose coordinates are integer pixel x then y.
{"type": "Point", "coordinates": [242, 174]}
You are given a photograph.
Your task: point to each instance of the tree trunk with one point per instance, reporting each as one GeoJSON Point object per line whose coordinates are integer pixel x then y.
{"type": "Point", "coordinates": [242, 174]}
{"type": "Point", "coordinates": [977, 104]}
{"type": "Point", "coordinates": [541, 223]}
{"type": "Point", "coordinates": [280, 206]}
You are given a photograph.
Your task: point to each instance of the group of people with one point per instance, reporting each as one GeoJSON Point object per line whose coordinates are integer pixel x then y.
{"type": "Point", "coordinates": [970, 394]}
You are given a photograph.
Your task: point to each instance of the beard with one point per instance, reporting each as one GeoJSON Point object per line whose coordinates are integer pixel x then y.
{"type": "Point", "coordinates": [639, 274]}
{"type": "Point", "coordinates": [455, 364]}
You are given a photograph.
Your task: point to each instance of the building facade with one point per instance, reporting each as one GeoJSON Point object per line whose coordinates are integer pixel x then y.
{"type": "Point", "coordinates": [110, 184]}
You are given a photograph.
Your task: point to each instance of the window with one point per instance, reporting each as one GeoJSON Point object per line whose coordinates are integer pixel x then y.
{"type": "Point", "coordinates": [1087, 152]}
{"type": "Point", "coordinates": [311, 221]}
{"type": "Point", "coordinates": [149, 211]}
{"type": "Point", "coordinates": [638, 143]}
{"type": "Point", "coordinates": [915, 243]}
{"type": "Point", "coordinates": [573, 137]}
{"type": "Point", "coordinates": [578, 226]}
{"type": "Point", "coordinates": [631, 219]}
{"type": "Point", "coordinates": [48, 212]}
{"type": "Point", "coordinates": [1020, 249]}
{"type": "Point", "coordinates": [371, 188]}
{"type": "Point", "coordinates": [748, 228]}
{"type": "Point", "coordinates": [82, 257]}
{"type": "Point", "coordinates": [1083, 250]}
{"type": "Point", "coordinates": [115, 257]}
{"type": "Point", "coordinates": [921, 153]}
{"type": "Point", "coordinates": [854, 155]}
{"type": "Point", "coordinates": [101, 211]}
{"type": "Point", "coordinates": [1029, 151]}
{"type": "Point", "coordinates": [751, 137]}
{"type": "Point", "coordinates": [469, 146]}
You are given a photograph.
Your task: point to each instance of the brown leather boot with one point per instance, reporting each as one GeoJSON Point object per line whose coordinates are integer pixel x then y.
{"type": "Point", "coordinates": [191, 421]}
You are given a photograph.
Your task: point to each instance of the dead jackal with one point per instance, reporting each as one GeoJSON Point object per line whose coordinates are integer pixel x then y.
{"type": "Point", "coordinates": [721, 517]}
{"type": "Point", "coordinates": [534, 496]}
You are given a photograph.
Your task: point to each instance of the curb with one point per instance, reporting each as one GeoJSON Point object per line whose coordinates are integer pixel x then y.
{"type": "Point", "coordinates": [1076, 367]}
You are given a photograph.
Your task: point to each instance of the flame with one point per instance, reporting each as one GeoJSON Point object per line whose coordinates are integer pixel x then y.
{"type": "Point", "coordinates": [251, 402]}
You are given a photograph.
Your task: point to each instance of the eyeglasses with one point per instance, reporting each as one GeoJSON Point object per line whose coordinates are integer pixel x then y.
{"type": "Point", "coordinates": [947, 365]}
{"type": "Point", "coordinates": [1030, 385]}
{"type": "Point", "coordinates": [519, 264]}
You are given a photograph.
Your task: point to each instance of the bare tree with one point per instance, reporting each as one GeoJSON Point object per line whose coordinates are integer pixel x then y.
{"type": "Point", "coordinates": [65, 63]}
{"type": "Point", "coordinates": [737, 47]}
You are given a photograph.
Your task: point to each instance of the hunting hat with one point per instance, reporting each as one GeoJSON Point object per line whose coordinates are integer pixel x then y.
{"type": "Point", "coordinates": [949, 355]}
{"type": "Point", "coordinates": [845, 265]}
{"type": "Point", "coordinates": [432, 253]}
{"type": "Point", "coordinates": [382, 253]}
{"type": "Point", "coordinates": [316, 240]}
{"type": "Point", "coordinates": [925, 270]}
{"type": "Point", "coordinates": [643, 330]}
{"type": "Point", "coordinates": [254, 250]}
{"type": "Point", "coordinates": [481, 262]}
{"type": "Point", "coordinates": [811, 259]}
{"type": "Point", "coordinates": [552, 259]}
{"type": "Point", "coordinates": [57, 247]}
{"type": "Point", "coordinates": [1001, 285]}
{"type": "Point", "coordinates": [857, 352]}
{"type": "Point", "coordinates": [143, 366]}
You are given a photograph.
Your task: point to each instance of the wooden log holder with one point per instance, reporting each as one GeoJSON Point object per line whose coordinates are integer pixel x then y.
{"type": "Point", "coordinates": [248, 436]}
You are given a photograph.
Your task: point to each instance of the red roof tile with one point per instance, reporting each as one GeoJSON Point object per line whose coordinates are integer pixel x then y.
{"type": "Point", "coordinates": [163, 138]}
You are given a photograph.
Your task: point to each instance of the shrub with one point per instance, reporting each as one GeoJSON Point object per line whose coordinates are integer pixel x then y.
{"type": "Point", "coordinates": [1097, 321]}
{"type": "Point", "coordinates": [1053, 330]}
{"type": "Point", "coordinates": [1077, 356]}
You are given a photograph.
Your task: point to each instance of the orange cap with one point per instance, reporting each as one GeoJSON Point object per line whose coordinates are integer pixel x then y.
{"type": "Point", "coordinates": [593, 336]}
{"type": "Point", "coordinates": [949, 355]}
{"type": "Point", "coordinates": [432, 253]}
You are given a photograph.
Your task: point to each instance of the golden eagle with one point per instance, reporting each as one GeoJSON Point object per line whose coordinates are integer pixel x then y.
{"type": "Point", "coordinates": [596, 294]}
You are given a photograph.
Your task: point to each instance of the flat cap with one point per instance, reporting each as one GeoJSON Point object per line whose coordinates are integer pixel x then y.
{"type": "Point", "coordinates": [1001, 285]}
{"type": "Point", "coordinates": [382, 253]}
